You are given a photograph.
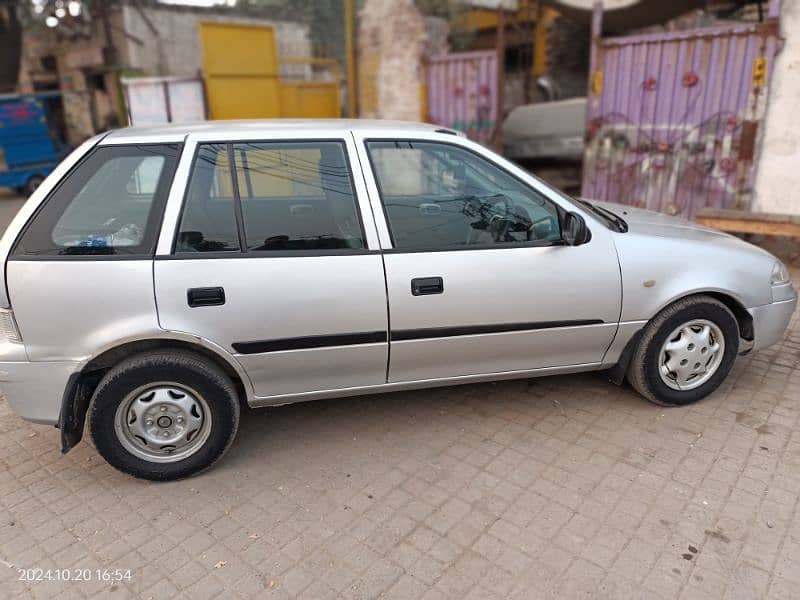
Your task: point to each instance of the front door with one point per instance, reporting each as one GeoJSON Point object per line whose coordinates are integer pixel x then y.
{"type": "Point", "coordinates": [273, 260]}
{"type": "Point", "coordinates": [479, 280]}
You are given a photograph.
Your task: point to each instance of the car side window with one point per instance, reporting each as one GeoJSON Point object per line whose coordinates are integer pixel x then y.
{"type": "Point", "coordinates": [208, 222]}
{"type": "Point", "coordinates": [440, 196]}
{"type": "Point", "coordinates": [291, 196]}
{"type": "Point", "coordinates": [111, 203]}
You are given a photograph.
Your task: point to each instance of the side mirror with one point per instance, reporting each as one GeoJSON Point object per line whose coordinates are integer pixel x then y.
{"type": "Point", "coordinates": [575, 232]}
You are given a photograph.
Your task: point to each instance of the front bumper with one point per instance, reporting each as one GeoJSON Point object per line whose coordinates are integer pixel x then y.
{"type": "Point", "coordinates": [770, 322]}
{"type": "Point", "coordinates": [35, 390]}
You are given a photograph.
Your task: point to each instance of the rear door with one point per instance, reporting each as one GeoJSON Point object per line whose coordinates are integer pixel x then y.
{"type": "Point", "coordinates": [275, 258]}
{"type": "Point", "coordinates": [478, 278]}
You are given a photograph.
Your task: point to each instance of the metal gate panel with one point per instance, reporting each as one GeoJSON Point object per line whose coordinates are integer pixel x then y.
{"type": "Point", "coordinates": [240, 68]}
{"type": "Point", "coordinates": [310, 98]}
{"type": "Point", "coordinates": [673, 118]}
{"type": "Point", "coordinates": [462, 93]}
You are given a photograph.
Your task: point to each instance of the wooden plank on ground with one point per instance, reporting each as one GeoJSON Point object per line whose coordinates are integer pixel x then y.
{"type": "Point", "coordinates": [742, 221]}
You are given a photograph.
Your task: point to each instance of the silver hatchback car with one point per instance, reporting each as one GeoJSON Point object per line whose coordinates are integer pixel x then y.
{"type": "Point", "coordinates": [161, 277]}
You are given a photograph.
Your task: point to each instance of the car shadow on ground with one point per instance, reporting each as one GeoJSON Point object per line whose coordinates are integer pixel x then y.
{"type": "Point", "coordinates": [354, 422]}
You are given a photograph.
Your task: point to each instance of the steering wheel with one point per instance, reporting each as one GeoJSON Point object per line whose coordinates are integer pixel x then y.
{"type": "Point", "coordinates": [489, 219]}
{"type": "Point", "coordinates": [543, 228]}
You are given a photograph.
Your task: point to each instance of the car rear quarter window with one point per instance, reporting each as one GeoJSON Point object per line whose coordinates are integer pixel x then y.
{"type": "Point", "coordinates": [111, 203]}
{"type": "Point", "coordinates": [285, 196]}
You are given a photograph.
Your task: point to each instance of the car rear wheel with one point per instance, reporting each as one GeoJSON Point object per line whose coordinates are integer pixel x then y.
{"type": "Point", "coordinates": [685, 352]}
{"type": "Point", "coordinates": [34, 181]}
{"type": "Point", "coordinates": [164, 415]}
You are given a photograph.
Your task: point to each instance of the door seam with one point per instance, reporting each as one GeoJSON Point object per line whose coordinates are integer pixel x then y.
{"type": "Point", "coordinates": [621, 301]}
{"type": "Point", "coordinates": [383, 262]}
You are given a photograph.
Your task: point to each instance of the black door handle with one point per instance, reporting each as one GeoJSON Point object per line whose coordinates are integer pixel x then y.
{"type": "Point", "coordinates": [206, 296]}
{"type": "Point", "coordinates": [425, 286]}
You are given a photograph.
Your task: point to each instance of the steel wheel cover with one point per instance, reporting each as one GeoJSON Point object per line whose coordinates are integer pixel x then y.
{"type": "Point", "coordinates": [691, 355]}
{"type": "Point", "coordinates": [163, 422]}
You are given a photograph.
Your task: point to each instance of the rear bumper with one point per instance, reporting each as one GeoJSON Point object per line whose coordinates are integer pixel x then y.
{"type": "Point", "coordinates": [35, 390]}
{"type": "Point", "coordinates": [770, 322]}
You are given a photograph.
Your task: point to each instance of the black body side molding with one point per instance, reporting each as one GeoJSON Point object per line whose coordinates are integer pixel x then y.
{"type": "Point", "coordinates": [309, 342]}
{"type": "Point", "coordinates": [443, 332]}
{"type": "Point", "coordinates": [379, 337]}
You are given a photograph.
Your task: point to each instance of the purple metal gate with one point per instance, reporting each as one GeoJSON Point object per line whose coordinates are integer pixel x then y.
{"type": "Point", "coordinates": [673, 118]}
{"type": "Point", "coordinates": [462, 93]}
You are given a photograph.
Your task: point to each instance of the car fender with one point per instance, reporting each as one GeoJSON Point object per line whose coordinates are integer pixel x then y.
{"type": "Point", "coordinates": [79, 389]}
{"type": "Point", "coordinates": [659, 271]}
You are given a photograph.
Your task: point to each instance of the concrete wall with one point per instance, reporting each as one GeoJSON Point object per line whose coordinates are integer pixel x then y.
{"type": "Point", "coordinates": [394, 39]}
{"type": "Point", "coordinates": [72, 59]}
{"type": "Point", "coordinates": [391, 43]}
{"type": "Point", "coordinates": [176, 49]}
{"type": "Point", "coordinates": [777, 187]}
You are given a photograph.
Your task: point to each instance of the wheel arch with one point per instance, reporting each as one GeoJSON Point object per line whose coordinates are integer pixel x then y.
{"type": "Point", "coordinates": [728, 298]}
{"type": "Point", "coordinates": [83, 383]}
{"type": "Point", "coordinates": [743, 318]}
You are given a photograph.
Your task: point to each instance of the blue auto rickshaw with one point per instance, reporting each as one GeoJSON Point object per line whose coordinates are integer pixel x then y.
{"type": "Point", "coordinates": [29, 149]}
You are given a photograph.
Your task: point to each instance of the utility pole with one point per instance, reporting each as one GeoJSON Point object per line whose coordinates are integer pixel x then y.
{"type": "Point", "coordinates": [501, 75]}
{"type": "Point", "coordinates": [349, 59]}
{"type": "Point", "coordinates": [110, 54]}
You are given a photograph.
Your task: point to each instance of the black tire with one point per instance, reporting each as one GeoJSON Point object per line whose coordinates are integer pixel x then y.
{"type": "Point", "coordinates": [175, 366]}
{"type": "Point", "coordinates": [643, 370]}
{"type": "Point", "coordinates": [34, 181]}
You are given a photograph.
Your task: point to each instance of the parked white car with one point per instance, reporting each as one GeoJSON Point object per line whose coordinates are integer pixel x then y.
{"type": "Point", "coordinates": [161, 277]}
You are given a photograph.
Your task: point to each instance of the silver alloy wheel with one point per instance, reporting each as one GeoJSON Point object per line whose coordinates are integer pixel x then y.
{"type": "Point", "coordinates": [163, 422]}
{"type": "Point", "coordinates": [691, 355]}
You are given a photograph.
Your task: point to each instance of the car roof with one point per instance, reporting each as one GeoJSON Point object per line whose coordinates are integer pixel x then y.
{"type": "Point", "coordinates": [176, 132]}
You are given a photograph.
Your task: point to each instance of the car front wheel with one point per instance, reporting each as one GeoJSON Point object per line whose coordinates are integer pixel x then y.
{"type": "Point", "coordinates": [685, 352]}
{"type": "Point", "coordinates": [164, 415]}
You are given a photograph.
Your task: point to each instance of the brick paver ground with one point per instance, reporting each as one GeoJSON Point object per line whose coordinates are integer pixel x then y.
{"type": "Point", "coordinates": [563, 487]}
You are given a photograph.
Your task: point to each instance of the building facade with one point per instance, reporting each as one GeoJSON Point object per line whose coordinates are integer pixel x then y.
{"type": "Point", "coordinates": [146, 39]}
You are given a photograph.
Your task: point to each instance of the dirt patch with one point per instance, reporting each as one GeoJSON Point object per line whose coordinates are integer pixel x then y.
{"type": "Point", "coordinates": [748, 420]}
{"type": "Point", "coordinates": [718, 535]}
